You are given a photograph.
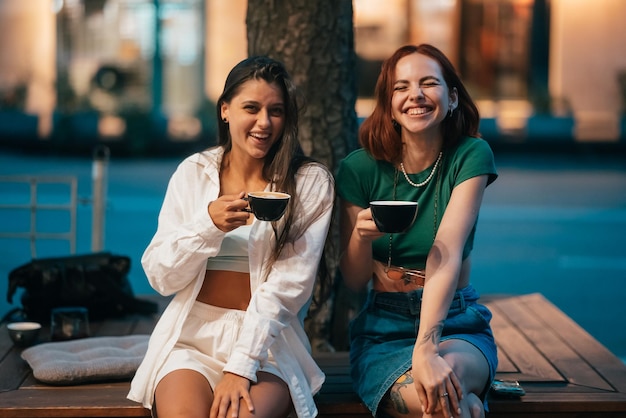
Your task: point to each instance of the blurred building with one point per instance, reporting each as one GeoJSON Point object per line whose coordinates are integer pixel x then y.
{"type": "Point", "coordinates": [541, 70]}
{"type": "Point", "coordinates": [129, 73]}
{"type": "Point", "coordinates": [144, 74]}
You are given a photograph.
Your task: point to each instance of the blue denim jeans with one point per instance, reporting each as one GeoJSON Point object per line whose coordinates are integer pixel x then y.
{"type": "Point", "coordinates": [382, 337]}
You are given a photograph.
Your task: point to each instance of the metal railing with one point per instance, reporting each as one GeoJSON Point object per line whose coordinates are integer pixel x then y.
{"type": "Point", "coordinates": [34, 206]}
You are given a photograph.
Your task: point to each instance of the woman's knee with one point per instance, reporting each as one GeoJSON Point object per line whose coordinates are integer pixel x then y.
{"type": "Point", "coordinates": [468, 363]}
{"type": "Point", "coordinates": [183, 393]}
{"type": "Point", "coordinates": [270, 396]}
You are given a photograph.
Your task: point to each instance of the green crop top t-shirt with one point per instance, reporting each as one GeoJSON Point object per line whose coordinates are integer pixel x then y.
{"type": "Point", "coordinates": [362, 179]}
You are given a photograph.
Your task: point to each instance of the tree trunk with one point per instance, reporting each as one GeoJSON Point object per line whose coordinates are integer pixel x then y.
{"type": "Point", "coordinates": [314, 39]}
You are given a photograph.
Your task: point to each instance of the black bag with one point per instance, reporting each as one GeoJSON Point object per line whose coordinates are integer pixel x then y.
{"type": "Point", "coordinates": [96, 281]}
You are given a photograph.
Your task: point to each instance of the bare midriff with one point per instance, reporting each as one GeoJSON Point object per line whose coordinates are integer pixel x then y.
{"type": "Point", "coordinates": [382, 283]}
{"type": "Point", "coordinates": [226, 289]}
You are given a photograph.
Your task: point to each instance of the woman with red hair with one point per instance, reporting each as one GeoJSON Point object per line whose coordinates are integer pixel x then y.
{"type": "Point", "coordinates": [422, 344]}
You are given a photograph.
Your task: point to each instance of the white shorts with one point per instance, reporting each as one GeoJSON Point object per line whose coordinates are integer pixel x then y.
{"type": "Point", "coordinates": [206, 342]}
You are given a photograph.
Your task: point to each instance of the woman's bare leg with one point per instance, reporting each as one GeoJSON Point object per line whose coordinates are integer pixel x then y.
{"type": "Point", "coordinates": [270, 396]}
{"type": "Point", "coordinates": [186, 393]}
{"type": "Point", "coordinates": [469, 365]}
{"type": "Point", "coordinates": [183, 393]}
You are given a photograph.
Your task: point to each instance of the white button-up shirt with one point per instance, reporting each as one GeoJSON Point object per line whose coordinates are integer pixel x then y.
{"type": "Point", "coordinates": [175, 263]}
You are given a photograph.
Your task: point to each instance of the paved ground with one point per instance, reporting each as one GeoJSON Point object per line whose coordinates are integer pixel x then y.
{"type": "Point", "coordinates": [552, 223]}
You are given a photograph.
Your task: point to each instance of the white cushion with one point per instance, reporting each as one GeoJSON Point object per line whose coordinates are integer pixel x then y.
{"type": "Point", "coordinates": [87, 360]}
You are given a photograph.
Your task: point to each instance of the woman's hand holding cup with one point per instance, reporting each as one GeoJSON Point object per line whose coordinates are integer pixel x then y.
{"type": "Point", "coordinates": [227, 211]}
{"type": "Point", "coordinates": [365, 225]}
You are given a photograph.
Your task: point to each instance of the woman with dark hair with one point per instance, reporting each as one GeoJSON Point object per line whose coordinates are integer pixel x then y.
{"type": "Point", "coordinates": [231, 342]}
{"type": "Point", "coordinates": [422, 345]}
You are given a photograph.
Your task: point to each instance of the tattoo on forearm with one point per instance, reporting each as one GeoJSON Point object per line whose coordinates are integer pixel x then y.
{"type": "Point", "coordinates": [397, 401]}
{"type": "Point", "coordinates": [433, 335]}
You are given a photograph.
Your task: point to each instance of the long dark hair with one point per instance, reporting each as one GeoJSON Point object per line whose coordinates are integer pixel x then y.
{"type": "Point", "coordinates": [378, 134]}
{"type": "Point", "coordinates": [286, 155]}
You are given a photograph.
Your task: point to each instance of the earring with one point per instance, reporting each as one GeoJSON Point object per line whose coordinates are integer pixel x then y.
{"type": "Point", "coordinates": [451, 110]}
{"type": "Point", "coordinates": [225, 121]}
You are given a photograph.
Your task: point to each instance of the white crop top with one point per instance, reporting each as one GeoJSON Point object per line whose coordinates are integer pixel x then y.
{"type": "Point", "coordinates": [233, 255]}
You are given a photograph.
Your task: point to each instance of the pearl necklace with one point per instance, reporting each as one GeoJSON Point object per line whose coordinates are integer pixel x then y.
{"type": "Point", "coordinates": [430, 176]}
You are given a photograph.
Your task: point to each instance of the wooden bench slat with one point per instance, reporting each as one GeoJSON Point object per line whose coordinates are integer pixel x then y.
{"type": "Point", "coordinates": [583, 344]}
{"type": "Point", "coordinates": [12, 369]}
{"type": "Point", "coordinates": [505, 365]}
{"type": "Point", "coordinates": [550, 344]}
{"type": "Point", "coordinates": [560, 402]}
{"type": "Point", "coordinates": [71, 401]}
{"type": "Point", "coordinates": [531, 364]}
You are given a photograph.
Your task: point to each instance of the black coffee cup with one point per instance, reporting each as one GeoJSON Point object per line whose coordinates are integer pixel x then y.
{"type": "Point", "coordinates": [393, 216]}
{"type": "Point", "coordinates": [24, 334]}
{"type": "Point", "coordinates": [268, 206]}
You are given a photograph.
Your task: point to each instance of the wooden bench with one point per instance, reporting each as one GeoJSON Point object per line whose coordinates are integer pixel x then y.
{"type": "Point", "coordinates": [565, 372]}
